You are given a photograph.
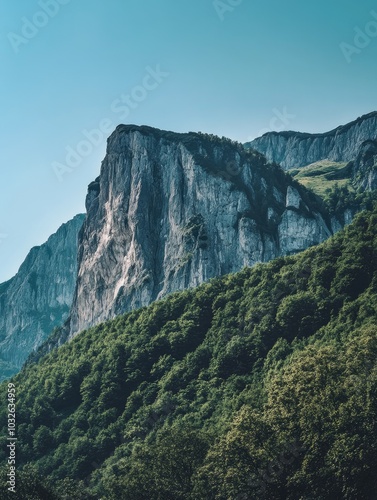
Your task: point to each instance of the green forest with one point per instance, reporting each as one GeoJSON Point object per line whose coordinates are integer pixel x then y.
{"type": "Point", "coordinates": [257, 385]}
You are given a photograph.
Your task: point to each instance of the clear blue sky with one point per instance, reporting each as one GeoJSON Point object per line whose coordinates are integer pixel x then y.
{"type": "Point", "coordinates": [226, 77]}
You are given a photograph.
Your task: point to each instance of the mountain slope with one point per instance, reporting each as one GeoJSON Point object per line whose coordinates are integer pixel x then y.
{"type": "Point", "coordinates": [295, 149]}
{"type": "Point", "coordinates": [358, 175]}
{"type": "Point", "coordinates": [39, 297]}
{"type": "Point", "coordinates": [170, 211]}
{"type": "Point", "coordinates": [260, 384]}
{"type": "Point", "coordinates": [324, 175]}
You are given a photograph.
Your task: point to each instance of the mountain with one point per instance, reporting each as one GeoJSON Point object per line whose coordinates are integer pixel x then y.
{"type": "Point", "coordinates": [39, 297]}
{"type": "Point", "coordinates": [260, 384]}
{"type": "Point", "coordinates": [296, 149]}
{"type": "Point", "coordinates": [170, 211]}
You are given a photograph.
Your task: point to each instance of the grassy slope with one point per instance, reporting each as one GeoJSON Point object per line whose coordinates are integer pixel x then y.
{"type": "Point", "coordinates": [261, 384]}
{"type": "Point", "coordinates": [322, 176]}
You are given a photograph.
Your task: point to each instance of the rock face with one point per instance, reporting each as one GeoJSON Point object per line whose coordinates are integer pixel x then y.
{"type": "Point", "coordinates": [39, 297]}
{"type": "Point", "coordinates": [294, 149]}
{"type": "Point", "coordinates": [170, 211]}
{"type": "Point", "coordinates": [364, 167]}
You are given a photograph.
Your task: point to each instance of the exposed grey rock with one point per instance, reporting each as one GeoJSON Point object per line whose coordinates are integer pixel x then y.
{"type": "Point", "coordinates": [39, 297]}
{"type": "Point", "coordinates": [170, 211]}
{"type": "Point", "coordinates": [293, 198]}
{"type": "Point", "coordinates": [295, 149]}
{"type": "Point", "coordinates": [344, 217]}
{"type": "Point", "coordinates": [306, 232]}
{"type": "Point", "coordinates": [365, 166]}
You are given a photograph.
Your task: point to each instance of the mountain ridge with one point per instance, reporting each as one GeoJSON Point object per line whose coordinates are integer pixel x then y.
{"type": "Point", "coordinates": [254, 213]}
{"type": "Point", "coordinates": [334, 131]}
{"type": "Point", "coordinates": [297, 149]}
{"type": "Point", "coordinates": [38, 298]}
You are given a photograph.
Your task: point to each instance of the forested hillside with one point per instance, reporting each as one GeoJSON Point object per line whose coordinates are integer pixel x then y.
{"type": "Point", "coordinates": [257, 385]}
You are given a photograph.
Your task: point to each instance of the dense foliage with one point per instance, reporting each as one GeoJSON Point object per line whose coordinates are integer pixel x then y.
{"type": "Point", "coordinates": [340, 198]}
{"type": "Point", "coordinates": [257, 385]}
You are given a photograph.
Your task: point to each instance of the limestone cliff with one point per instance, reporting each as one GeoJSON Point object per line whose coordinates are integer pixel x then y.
{"type": "Point", "coordinates": [170, 211]}
{"type": "Point", "coordinates": [364, 167]}
{"type": "Point", "coordinates": [39, 297]}
{"type": "Point", "coordinates": [295, 149]}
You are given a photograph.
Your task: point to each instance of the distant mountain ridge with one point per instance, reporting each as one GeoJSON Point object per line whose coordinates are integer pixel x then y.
{"type": "Point", "coordinates": [297, 149]}
{"type": "Point", "coordinates": [39, 297]}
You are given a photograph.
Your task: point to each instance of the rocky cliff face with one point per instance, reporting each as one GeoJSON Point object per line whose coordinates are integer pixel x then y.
{"type": "Point", "coordinates": [170, 211]}
{"type": "Point", "coordinates": [39, 297]}
{"type": "Point", "coordinates": [294, 149]}
{"type": "Point", "coordinates": [364, 167]}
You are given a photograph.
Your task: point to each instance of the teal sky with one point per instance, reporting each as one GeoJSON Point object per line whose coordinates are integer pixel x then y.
{"type": "Point", "coordinates": [229, 72]}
